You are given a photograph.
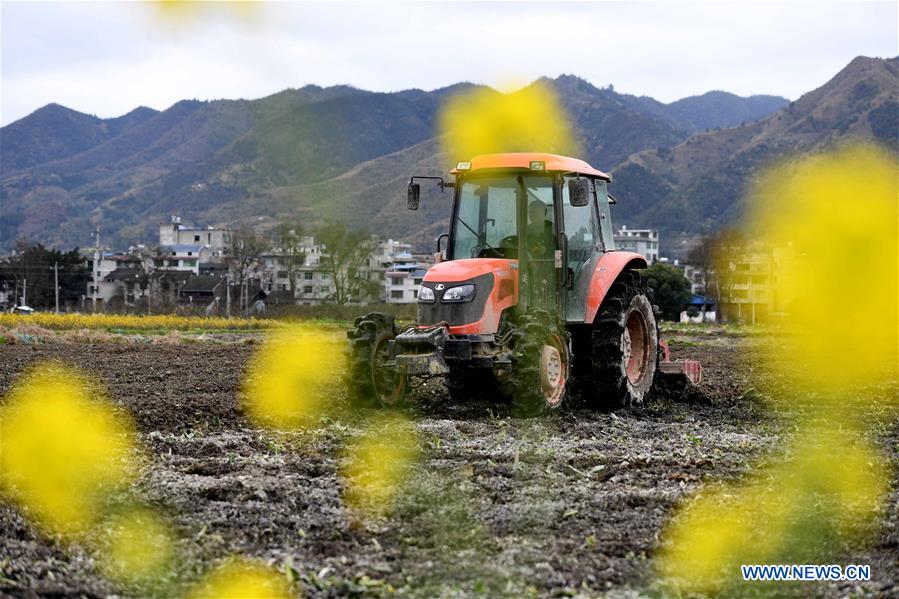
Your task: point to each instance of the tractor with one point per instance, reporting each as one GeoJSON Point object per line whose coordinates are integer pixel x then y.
{"type": "Point", "coordinates": [528, 300]}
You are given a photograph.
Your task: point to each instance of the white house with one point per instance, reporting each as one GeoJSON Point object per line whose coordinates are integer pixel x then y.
{"type": "Point", "coordinates": [102, 287]}
{"type": "Point", "coordinates": [174, 233]}
{"type": "Point", "coordinates": [643, 241]}
{"type": "Point", "coordinates": [182, 257]}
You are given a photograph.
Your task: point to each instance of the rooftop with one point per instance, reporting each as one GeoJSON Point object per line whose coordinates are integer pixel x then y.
{"type": "Point", "coordinates": [197, 284]}
{"type": "Point", "coordinates": [182, 249]}
{"type": "Point", "coordinates": [177, 275]}
{"type": "Point", "coordinates": [126, 274]}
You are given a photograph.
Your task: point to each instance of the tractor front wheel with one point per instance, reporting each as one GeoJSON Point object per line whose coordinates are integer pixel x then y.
{"type": "Point", "coordinates": [371, 381]}
{"type": "Point", "coordinates": [541, 364]}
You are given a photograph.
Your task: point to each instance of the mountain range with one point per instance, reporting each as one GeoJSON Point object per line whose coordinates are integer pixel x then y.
{"type": "Point", "coordinates": [314, 154]}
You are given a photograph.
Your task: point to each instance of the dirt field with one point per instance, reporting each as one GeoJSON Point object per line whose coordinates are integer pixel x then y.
{"type": "Point", "coordinates": [562, 505]}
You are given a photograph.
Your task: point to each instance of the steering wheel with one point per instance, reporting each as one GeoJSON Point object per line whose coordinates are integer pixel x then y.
{"type": "Point", "coordinates": [483, 251]}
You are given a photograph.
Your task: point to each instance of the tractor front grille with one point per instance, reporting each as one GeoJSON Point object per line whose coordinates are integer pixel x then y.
{"type": "Point", "coordinates": [456, 314]}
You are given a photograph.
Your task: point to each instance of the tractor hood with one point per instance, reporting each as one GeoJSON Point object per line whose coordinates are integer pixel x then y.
{"type": "Point", "coordinates": [469, 268]}
{"type": "Point", "coordinates": [495, 282]}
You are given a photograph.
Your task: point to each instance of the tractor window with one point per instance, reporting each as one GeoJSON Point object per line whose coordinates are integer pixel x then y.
{"type": "Point", "coordinates": [580, 228]}
{"type": "Point", "coordinates": [605, 216]}
{"type": "Point", "coordinates": [485, 223]}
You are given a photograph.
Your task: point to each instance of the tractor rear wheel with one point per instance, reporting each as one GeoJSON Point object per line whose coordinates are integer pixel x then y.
{"type": "Point", "coordinates": [370, 380]}
{"type": "Point", "coordinates": [623, 349]}
{"type": "Point", "coordinates": [540, 364]}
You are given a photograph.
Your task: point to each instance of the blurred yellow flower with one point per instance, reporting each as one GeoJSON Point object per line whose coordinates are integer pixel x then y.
{"type": "Point", "coordinates": [831, 487]}
{"type": "Point", "coordinates": [242, 579]}
{"type": "Point", "coordinates": [293, 377]}
{"type": "Point", "coordinates": [378, 462]}
{"type": "Point", "coordinates": [61, 450]}
{"type": "Point", "coordinates": [483, 121]}
{"type": "Point", "coordinates": [837, 213]}
{"type": "Point", "coordinates": [139, 545]}
{"type": "Point", "coordinates": [166, 322]}
{"type": "Point", "coordinates": [192, 12]}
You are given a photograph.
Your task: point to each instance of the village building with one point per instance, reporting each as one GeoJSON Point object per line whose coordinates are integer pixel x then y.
{"type": "Point", "coordinates": [215, 240]}
{"type": "Point", "coordinates": [642, 241]}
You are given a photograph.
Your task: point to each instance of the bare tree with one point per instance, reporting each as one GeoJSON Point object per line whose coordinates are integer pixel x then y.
{"type": "Point", "coordinates": [702, 258]}
{"type": "Point", "coordinates": [289, 240]}
{"type": "Point", "coordinates": [346, 258]}
{"type": "Point", "coordinates": [729, 252]}
{"type": "Point", "coordinates": [146, 254]}
{"type": "Point", "coordinates": [244, 250]}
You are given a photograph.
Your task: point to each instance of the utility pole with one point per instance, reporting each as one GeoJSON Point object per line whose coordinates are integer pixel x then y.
{"type": "Point", "coordinates": [55, 269]}
{"type": "Point", "coordinates": [96, 270]}
{"type": "Point", "coordinates": [228, 294]}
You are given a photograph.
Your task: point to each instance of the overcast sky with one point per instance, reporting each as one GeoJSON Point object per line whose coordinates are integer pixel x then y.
{"type": "Point", "coordinates": [109, 58]}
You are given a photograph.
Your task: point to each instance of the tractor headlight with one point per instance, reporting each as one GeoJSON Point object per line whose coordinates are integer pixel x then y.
{"type": "Point", "coordinates": [459, 294]}
{"type": "Point", "coordinates": [425, 294]}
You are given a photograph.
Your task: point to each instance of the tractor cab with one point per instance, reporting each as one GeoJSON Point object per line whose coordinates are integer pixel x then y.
{"type": "Point", "coordinates": [543, 217]}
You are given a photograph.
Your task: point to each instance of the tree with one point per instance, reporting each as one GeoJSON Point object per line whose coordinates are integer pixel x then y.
{"type": "Point", "coordinates": [289, 241]}
{"type": "Point", "coordinates": [29, 272]}
{"type": "Point", "coordinates": [244, 250]}
{"type": "Point", "coordinates": [346, 258]}
{"type": "Point", "coordinates": [729, 251]}
{"type": "Point", "coordinates": [702, 258]}
{"type": "Point", "coordinates": [672, 289]}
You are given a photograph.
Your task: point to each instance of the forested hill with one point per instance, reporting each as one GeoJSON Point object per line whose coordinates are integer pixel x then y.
{"type": "Point", "coordinates": [342, 153]}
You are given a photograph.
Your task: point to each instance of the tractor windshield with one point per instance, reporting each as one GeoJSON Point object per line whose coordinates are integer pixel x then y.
{"type": "Point", "coordinates": [485, 218]}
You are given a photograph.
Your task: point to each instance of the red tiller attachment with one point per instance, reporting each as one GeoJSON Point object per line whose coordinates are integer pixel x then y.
{"type": "Point", "coordinates": [689, 370]}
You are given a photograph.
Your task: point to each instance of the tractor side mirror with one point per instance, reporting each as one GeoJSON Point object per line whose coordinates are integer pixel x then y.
{"type": "Point", "coordinates": [579, 191]}
{"type": "Point", "coordinates": [412, 196]}
{"type": "Point", "coordinates": [440, 256]}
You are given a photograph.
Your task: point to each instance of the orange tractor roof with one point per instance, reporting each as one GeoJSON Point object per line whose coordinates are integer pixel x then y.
{"type": "Point", "coordinates": [553, 162]}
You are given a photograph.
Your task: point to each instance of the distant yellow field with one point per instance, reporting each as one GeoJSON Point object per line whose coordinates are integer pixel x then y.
{"type": "Point", "coordinates": [49, 320]}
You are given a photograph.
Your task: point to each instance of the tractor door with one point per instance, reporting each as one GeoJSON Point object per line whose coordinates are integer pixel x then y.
{"type": "Point", "coordinates": [584, 245]}
{"type": "Point", "coordinates": [605, 216]}
{"type": "Point", "coordinates": [540, 233]}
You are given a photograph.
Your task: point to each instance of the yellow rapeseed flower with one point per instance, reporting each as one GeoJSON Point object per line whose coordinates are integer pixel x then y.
{"type": "Point", "coordinates": [242, 579]}
{"type": "Point", "coordinates": [60, 451]}
{"type": "Point", "coordinates": [483, 121]}
{"type": "Point", "coordinates": [139, 545]}
{"type": "Point", "coordinates": [292, 379]}
{"type": "Point", "coordinates": [835, 216]}
{"type": "Point", "coordinates": [50, 320]}
{"type": "Point", "coordinates": [378, 462]}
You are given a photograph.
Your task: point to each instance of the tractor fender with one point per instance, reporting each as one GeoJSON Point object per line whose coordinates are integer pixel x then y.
{"type": "Point", "coordinates": [609, 266]}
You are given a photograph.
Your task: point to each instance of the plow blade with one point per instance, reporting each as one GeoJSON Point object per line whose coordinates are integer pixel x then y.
{"type": "Point", "coordinates": [677, 378]}
{"type": "Point", "coordinates": [691, 370]}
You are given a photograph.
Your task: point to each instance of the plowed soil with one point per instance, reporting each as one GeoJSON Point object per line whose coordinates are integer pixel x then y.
{"type": "Point", "coordinates": [571, 503]}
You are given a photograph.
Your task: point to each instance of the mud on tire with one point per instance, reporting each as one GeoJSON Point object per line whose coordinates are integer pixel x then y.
{"type": "Point", "coordinates": [368, 382]}
{"type": "Point", "coordinates": [540, 377]}
{"type": "Point", "coordinates": [617, 363]}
